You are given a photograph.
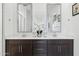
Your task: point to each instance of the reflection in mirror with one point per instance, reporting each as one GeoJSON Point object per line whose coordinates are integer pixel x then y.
{"type": "Point", "coordinates": [54, 17]}
{"type": "Point", "coordinates": [24, 21]}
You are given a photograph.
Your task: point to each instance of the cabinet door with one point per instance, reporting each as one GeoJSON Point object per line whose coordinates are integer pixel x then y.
{"type": "Point", "coordinates": [53, 48]}
{"type": "Point", "coordinates": [26, 47]}
{"type": "Point", "coordinates": [66, 49]}
{"type": "Point", "coordinates": [18, 47]}
{"type": "Point", "coordinates": [12, 48]}
{"type": "Point", "coordinates": [60, 47]}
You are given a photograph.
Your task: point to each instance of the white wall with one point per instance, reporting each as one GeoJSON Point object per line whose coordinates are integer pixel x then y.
{"type": "Point", "coordinates": [0, 29]}
{"type": "Point", "coordinates": [10, 13]}
{"type": "Point", "coordinates": [75, 24]}
{"type": "Point", "coordinates": [71, 25]}
{"type": "Point", "coordinates": [10, 19]}
{"type": "Point", "coordinates": [39, 17]}
{"type": "Point", "coordinates": [66, 19]}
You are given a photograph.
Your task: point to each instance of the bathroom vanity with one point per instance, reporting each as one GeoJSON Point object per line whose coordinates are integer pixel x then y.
{"type": "Point", "coordinates": [37, 47]}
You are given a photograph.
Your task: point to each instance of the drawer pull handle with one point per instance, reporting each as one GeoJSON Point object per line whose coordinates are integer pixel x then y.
{"type": "Point", "coordinates": [39, 49]}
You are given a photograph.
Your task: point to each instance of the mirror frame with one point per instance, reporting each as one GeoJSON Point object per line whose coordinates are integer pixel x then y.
{"type": "Point", "coordinates": [49, 30]}
{"type": "Point", "coordinates": [18, 19]}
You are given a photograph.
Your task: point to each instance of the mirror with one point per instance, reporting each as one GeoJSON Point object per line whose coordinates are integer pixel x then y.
{"type": "Point", "coordinates": [24, 21]}
{"type": "Point", "coordinates": [54, 17]}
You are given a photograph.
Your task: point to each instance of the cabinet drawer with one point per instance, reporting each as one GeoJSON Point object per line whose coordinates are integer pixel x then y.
{"type": "Point", "coordinates": [40, 52]}
{"type": "Point", "coordinates": [39, 41]}
{"type": "Point", "coordinates": [39, 46]}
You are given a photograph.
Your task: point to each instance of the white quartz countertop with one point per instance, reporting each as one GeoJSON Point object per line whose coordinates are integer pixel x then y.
{"type": "Point", "coordinates": [43, 37]}
{"type": "Point", "coordinates": [61, 37]}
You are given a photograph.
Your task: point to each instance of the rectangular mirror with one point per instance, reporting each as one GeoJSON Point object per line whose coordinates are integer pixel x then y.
{"type": "Point", "coordinates": [54, 17]}
{"type": "Point", "coordinates": [24, 21]}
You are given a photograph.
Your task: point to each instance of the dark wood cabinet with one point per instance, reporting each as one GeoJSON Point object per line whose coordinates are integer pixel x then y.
{"type": "Point", "coordinates": [42, 47]}
{"type": "Point", "coordinates": [18, 48]}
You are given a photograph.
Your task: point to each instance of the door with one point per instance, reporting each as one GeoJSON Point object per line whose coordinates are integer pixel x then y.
{"type": "Point", "coordinates": [12, 48]}
{"type": "Point", "coordinates": [66, 48]}
{"type": "Point", "coordinates": [60, 47]}
{"type": "Point", "coordinates": [18, 48]}
{"type": "Point", "coordinates": [53, 48]}
{"type": "Point", "coordinates": [26, 47]}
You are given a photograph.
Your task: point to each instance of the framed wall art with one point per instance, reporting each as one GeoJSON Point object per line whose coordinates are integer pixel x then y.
{"type": "Point", "coordinates": [75, 9]}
